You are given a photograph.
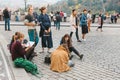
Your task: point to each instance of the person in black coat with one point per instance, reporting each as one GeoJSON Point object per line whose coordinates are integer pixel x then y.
{"type": "Point", "coordinates": [45, 30]}
{"type": "Point", "coordinates": [6, 14]}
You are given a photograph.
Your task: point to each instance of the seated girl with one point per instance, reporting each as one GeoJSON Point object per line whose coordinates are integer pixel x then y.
{"type": "Point", "coordinates": [59, 59]}
{"type": "Point", "coordinates": [13, 39]}
{"type": "Point", "coordinates": [17, 50]}
{"type": "Point", "coordinates": [66, 39]}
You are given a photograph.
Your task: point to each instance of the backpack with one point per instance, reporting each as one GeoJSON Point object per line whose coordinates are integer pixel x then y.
{"type": "Point", "coordinates": [58, 18]}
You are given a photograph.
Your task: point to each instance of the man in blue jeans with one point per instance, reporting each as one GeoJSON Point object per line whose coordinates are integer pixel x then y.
{"type": "Point", "coordinates": [7, 19]}
{"type": "Point", "coordinates": [58, 19]}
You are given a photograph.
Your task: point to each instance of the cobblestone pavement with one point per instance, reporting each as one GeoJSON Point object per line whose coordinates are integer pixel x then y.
{"type": "Point", "coordinates": [101, 55]}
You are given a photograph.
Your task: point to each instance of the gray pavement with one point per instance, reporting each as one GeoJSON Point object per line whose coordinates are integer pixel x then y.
{"type": "Point", "coordinates": [101, 55]}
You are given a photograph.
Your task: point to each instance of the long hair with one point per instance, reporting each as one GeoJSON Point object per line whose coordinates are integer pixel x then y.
{"type": "Point", "coordinates": [73, 13]}
{"type": "Point", "coordinates": [13, 39]}
{"type": "Point", "coordinates": [69, 42]}
{"type": "Point", "coordinates": [42, 8]}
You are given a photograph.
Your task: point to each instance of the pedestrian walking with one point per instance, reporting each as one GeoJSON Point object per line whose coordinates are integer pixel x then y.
{"type": "Point", "coordinates": [100, 21]}
{"type": "Point", "coordinates": [7, 19]}
{"type": "Point", "coordinates": [51, 16]}
{"type": "Point", "coordinates": [17, 16]}
{"type": "Point", "coordinates": [54, 19]}
{"type": "Point", "coordinates": [115, 19]}
{"type": "Point", "coordinates": [31, 25]}
{"type": "Point", "coordinates": [93, 18]}
{"type": "Point", "coordinates": [45, 30]}
{"type": "Point", "coordinates": [65, 17]}
{"type": "Point", "coordinates": [89, 19]}
{"type": "Point", "coordinates": [58, 19]}
{"type": "Point", "coordinates": [112, 18]}
{"type": "Point", "coordinates": [74, 24]}
{"type": "Point", "coordinates": [83, 23]}
{"type": "Point", "coordinates": [62, 15]}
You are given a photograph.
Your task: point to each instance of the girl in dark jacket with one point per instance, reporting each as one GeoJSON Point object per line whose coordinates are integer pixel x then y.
{"type": "Point", "coordinates": [45, 30]}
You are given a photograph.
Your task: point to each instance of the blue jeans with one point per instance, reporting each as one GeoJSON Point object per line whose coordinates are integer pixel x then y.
{"type": "Point", "coordinates": [7, 23]}
{"type": "Point", "coordinates": [33, 36]}
{"type": "Point", "coordinates": [17, 18]}
{"type": "Point", "coordinates": [58, 25]}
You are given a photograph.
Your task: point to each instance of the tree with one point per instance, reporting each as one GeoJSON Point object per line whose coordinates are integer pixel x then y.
{"type": "Point", "coordinates": [70, 2]}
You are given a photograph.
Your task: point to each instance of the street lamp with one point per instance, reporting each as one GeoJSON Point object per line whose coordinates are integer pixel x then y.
{"type": "Point", "coordinates": [103, 6]}
{"type": "Point", "coordinates": [25, 5]}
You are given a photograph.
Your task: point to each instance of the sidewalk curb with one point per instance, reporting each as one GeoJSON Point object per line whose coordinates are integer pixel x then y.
{"type": "Point", "coordinates": [67, 25]}
{"type": "Point", "coordinates": [17, 73]}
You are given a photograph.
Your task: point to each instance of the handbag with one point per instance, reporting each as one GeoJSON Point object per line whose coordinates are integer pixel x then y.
{"type": "Point", "coordinates": [46, 34]}
{"type": "Point", "coordinates": [47, 59]}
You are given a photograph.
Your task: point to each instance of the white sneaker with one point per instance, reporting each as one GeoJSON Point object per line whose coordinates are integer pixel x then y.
{"type": "Point", "coordinates": [83, 39]}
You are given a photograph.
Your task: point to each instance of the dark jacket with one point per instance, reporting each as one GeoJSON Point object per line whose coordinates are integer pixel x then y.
{"type": "Point", "coordinates": [17, 50]}
{"type": "Point", "coordinates": [58, 18]}
{"type": "Point", "coordinates": [6, 13]}
{"type": "Point", "coordinates": [45, 23]}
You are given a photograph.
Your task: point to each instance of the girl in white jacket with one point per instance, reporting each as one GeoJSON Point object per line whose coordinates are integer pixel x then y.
{"type": "Point", "coordinates": [74, 24]}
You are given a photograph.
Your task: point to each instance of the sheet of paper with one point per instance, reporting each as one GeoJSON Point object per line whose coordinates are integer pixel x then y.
{"type": "Point", "coordinates": [29, 43]}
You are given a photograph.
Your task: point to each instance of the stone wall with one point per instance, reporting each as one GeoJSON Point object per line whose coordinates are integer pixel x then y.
{"type": "Point", "coordinates": [22, 17]}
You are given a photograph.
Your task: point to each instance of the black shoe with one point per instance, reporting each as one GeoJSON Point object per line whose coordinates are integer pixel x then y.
{"type": "Point", "coordinates": [31, 58]}
{"type": "Point", "coordinates": [81, 56]}
{"type": "Point", "coordinates": [49, 52]}
{"type": "Point", "coordinates": [9, 30]}
{"type": "Point", "coordinates": [41, 52]}
{"type": "Point", "coordinates": [71, 57]}
{"type": "Point", "coordinates": [79, 41]}
{"type": "Point", "coordinates": [34, 54]}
